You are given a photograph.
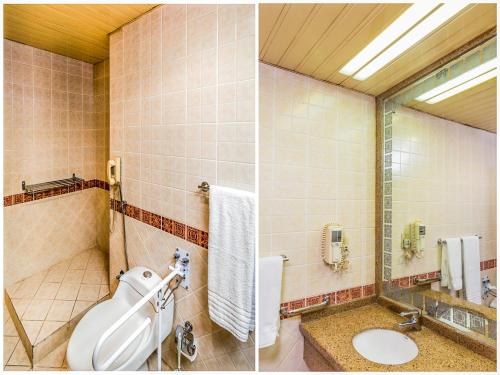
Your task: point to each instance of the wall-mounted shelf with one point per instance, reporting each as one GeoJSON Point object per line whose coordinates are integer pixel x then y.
{"type": "Point", "coordinates": [45, 186]}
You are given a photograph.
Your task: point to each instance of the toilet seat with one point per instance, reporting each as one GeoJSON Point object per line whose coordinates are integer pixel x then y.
{"type": "Point", "coordinates": [95, 322]}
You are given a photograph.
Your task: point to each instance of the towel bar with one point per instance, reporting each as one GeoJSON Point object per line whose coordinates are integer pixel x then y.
{"type": "Point", "coordinates": [204, 187]}
{"type": "Point", "coordinates": [285, 258]}
{"type": "Point", "coordinates": [306, 309]}
{"type": "Point", "coordinates": [441, 241]}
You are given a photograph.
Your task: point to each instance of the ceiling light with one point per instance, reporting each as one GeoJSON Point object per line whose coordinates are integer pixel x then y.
{"type": "Point", "coordinates": [465, 86]}
{"type": "Point", "coordinates": [464, 77]}
{"type": "Point", "coordinates": [402, 24]}
{"type": "Point", "coordinates": [424, 28]}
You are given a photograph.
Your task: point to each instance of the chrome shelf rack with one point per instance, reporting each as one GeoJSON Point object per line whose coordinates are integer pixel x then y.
{"type": "Point", "coordinates": [45, 186]}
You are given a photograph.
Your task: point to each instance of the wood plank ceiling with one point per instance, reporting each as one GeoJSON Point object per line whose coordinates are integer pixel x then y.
{"type": "Point", "coordinates": [475, 107]}
{"type": "Point", "coordinates": [79, 31]}
{"type": "Point", "coordinates": [319, 39]}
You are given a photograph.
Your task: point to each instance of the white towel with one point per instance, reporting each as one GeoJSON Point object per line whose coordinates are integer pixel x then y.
{"type": "Point", "coordinates": [472, 270]}
{"type": "Point", "coordinates": [231, 263]}
{"type": "Point", "coordinates": [451, 264]}
{"type": "Point", "coordinates": [270, 275]}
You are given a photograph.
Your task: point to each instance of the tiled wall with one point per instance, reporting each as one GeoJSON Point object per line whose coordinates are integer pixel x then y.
{"type": "Point", "coordinates": [182, 111]}
{"type": "Point", "coordinates": [182, 106]}
{"type": "Point", "coordinates": [101, 110]}
{"type": "Point", "coordinates": [444, 174]}
{"type": "Point", "coordinates": [317, 166]}
{"type": "Point", "coordinates": [49, 133]}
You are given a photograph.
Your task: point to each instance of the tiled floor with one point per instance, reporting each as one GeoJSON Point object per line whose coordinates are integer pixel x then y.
{"type": "Point", "coordinates": [52, 300]}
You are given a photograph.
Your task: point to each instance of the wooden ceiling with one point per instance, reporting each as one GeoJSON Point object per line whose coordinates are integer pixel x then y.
{"type": "Point", "coordinates": [79, 31]}
{"type": "Point", "coordinates": [475, 107]}
{"type": "Point", "coordinates": [318, 39]}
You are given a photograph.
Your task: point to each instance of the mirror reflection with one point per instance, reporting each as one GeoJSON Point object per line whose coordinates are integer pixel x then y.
{"type": "Point", "coordinates": [439, 193]}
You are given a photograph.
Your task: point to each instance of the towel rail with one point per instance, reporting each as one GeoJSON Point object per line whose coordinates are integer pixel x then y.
{"type": "Point", "coordinates": [440, 241]}
{"type": "Point", "coordinates": [306, 309]}
{"type": "Point", "coordinates": [285, 258]}
{"type": "Point", "coordinates": [204, 187]}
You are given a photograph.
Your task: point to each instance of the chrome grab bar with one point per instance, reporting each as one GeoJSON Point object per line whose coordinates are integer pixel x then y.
{"type": "Point", "coordinates": [178, 270]}
{"type": "Point", "coordinates": [301, 310]}
{"type": "Point", "coordinates": [427, 281]}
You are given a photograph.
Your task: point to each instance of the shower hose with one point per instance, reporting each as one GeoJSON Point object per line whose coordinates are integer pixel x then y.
{"type": "Point", "coordinates": [112, 225]}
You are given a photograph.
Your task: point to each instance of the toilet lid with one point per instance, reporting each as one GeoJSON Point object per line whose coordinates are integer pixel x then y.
{"type": "Point", "coordinates": [91, 327]}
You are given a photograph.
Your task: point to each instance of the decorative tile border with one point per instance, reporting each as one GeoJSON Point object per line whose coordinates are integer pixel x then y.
{"type": "Point", "coordinates": [409, 281]}
{"type": "Point", "coordinates": [11, 200]}
{"type": "Point", "coordinates": [181, 230]}
{"type": "Point", "coordinates": [336, 298]}
{"type": "Point", "coordinates": [388, 111]}
{"type": "Point", "coordinates": [488, 264]}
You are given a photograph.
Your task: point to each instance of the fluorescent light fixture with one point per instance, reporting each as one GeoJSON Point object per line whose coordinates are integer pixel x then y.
{"type": "Point", "coordinates": [401, 25]}
{"type": "Point", "coordinates": [424, 28]}
{"type": "Point", "coordinates": [464, 77]}
{"type": "Point", "coordinates": [465, 86]}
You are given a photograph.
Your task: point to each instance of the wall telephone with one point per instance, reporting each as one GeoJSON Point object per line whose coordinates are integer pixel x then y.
{"type": "Point", "coordinates": [413, 240]}
{"type": "Point", "coordinates": [334, 250]}
{"type": "Point", "coordinates": [113, 170]}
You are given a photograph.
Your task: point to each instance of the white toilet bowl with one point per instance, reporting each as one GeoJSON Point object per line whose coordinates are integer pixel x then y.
{"type": "Point", "coordinates": [133, 285]}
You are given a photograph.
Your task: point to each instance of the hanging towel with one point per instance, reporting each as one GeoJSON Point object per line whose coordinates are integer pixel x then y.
{"type": "Point", "coordinates": [451, 265]}
{"type": "Point", "coordinates": [472, 270]}
{"type": "Point", "coordinates": [270, 274]}
{"type": "Point", "coordinates": [231, 263]}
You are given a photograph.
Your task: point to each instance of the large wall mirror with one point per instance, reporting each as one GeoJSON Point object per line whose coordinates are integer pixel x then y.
{"type": "Point", "coordinates": [439, 192]}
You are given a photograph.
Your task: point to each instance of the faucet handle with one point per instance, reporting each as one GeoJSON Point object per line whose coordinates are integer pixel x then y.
{"type": "Point", "coordinates": [414, 313]}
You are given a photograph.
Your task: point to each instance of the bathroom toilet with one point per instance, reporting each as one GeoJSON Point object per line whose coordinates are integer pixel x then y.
{"type": "Point", "coordinates": [133, 285]}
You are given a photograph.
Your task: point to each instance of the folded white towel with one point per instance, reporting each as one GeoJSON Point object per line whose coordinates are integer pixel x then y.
{"type": "Point", "coordinates": [270, 275]}
{"type": "Point", "coordinates": [451, 264]}
{"type": "Point", "coordinates": [472, 269]}
{"type": "Point", "coordinates": [231, 263]}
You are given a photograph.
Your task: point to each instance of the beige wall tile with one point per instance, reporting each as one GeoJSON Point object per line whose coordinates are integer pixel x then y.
{"type": "Point", "coordinates": [316, 167]}
{"type": "Point", "coordinates": [444, 174]}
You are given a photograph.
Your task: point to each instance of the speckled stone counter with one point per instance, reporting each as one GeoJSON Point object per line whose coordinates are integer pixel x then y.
{"type": "Point", "coordinates": [330, 339]}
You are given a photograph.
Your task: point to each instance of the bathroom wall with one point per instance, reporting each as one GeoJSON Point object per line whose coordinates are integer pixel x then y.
{"type": "Point", "coordinates": [101, 118]}
{"type": "Point", "coordinates": [182, 111]}
{"type": "Point", "coordinates": [49, 133]}
{"type": "Point", "coordinates": [444, 173]}
{"type": "Point", "coordinates": [317, 166]}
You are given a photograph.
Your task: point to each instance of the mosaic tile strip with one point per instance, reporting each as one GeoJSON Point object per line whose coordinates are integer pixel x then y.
{"type": "Point", "coordinates": [12, 200]}
{"type": "Point", "coordinates": [338, 297]}
{"type": "Point", "coordinates": [181, 230]}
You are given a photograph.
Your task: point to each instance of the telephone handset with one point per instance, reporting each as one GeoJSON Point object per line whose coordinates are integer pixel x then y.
{"type": "Point", "coordinates": [113, 171]}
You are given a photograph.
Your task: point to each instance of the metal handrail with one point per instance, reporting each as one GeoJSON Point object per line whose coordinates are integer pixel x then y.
{"type": "Point", "coordinates": [306, 309]}
{"type": "Point", "coordinates": [176, 271]}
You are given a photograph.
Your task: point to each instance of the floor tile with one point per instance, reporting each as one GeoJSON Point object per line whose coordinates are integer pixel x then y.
{"type": "Point", "coordinates": [19, 356]}
{"type": "Point", "coordinates": [60, 310]}
{"type": "Point", "coordinates": [9, 344]}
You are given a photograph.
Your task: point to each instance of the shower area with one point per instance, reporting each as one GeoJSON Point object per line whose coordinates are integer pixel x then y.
{"type": "Point", "coordinates": [56, 218]}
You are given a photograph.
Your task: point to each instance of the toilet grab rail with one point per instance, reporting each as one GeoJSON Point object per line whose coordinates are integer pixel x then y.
{"type": "Point", "coordinates": [178, 270]}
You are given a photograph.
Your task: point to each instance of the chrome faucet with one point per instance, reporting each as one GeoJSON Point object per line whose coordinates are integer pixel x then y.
{"type": "Point", "coordinates": [414, 322]}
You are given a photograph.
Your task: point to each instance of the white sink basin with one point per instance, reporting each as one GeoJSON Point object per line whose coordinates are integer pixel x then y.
{"type": "Point", "coordinates": [385, 346]}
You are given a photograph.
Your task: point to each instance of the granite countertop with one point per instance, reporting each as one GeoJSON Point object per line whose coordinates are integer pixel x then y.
{"type": "Point", "coordinates": [332, 337]}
